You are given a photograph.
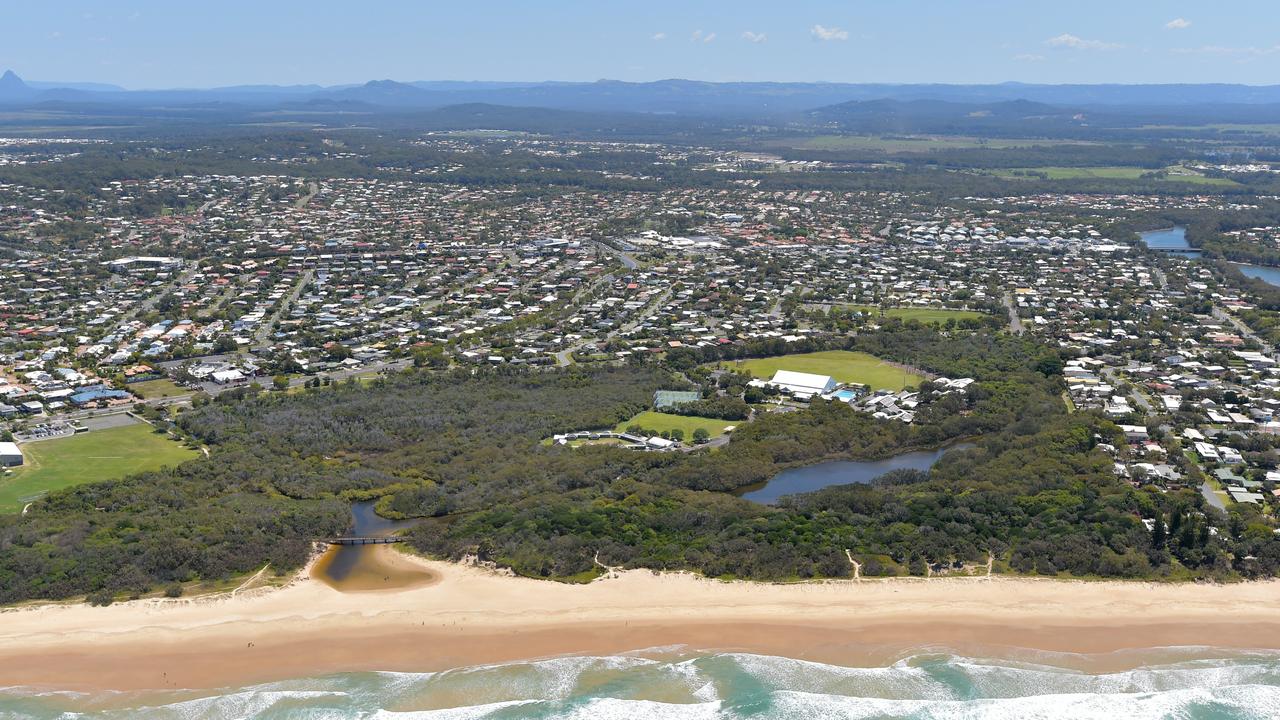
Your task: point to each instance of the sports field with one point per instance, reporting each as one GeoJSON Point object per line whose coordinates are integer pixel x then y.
{"type": "Point", "coordinates": [89, 457]}
{"type": "Point", "coordinates": [1113, 173]}
{"type": "Point", "coordinates": [915, 143]}
{"type": "Point", "coordinates": [843, 365]}
{"type": "Point", "coordinates": [658, 422]}
{"type": "Point", "coordinates": [922, 314]}
{"type": "Point", "coordinates": [161, 388]}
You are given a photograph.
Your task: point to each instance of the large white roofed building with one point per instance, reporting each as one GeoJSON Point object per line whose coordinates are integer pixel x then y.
{"type": "Point", "coordinates": [10, 455]}
{"type": "Point", "coordinates": [803, 385]}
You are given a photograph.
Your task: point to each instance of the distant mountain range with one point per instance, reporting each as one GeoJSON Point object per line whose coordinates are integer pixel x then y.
{"type": "Point", "coordinates": [678, 97]}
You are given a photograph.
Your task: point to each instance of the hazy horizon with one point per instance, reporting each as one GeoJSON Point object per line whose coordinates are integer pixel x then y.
{"type": "Point", "coordinates": [51, 83]}
{"type": "Point", "coordinates": [137, 44]}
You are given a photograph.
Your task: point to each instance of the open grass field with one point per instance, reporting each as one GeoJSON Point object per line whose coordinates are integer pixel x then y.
{"type": "Point", "coordinates": [161, 388]}
{"type": "Point", "coordinates": [1253, 128]}
{"type": "Point", "coordinates": [1111, 173]}
{"type": "Point", "coordinates": [922, 314]}
{"type": "Point", "coordinates": [657, 422]}
{"type": "Point", "coordinates": [843, 365]}
{"type": "Point", "coordinates": [89, 457]}
{"type": "Point", "coordinates": [916, 143]}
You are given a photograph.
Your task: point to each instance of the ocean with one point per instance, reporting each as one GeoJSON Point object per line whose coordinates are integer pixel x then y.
{"type": "Point", "coordinates": [1188, 684]}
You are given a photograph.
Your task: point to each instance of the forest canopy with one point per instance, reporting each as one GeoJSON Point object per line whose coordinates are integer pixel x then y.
{"type": "Point", "coordinates": [465, 451]}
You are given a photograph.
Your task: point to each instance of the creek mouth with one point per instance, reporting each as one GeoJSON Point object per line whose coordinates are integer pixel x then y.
{"type": "Point", "coordinates": [367, 568]}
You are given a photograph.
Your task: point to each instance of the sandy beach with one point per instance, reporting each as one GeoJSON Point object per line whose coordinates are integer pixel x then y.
{"type": "Point", "coordinates": [467, 616]}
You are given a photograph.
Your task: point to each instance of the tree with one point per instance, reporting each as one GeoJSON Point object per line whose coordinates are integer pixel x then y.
{"type": "Point", "coordinates": [1158, 533]}
{"type": "Point", "coordinates": [700, 435]}
{"type": "Point", "coordinates": [280, 382]}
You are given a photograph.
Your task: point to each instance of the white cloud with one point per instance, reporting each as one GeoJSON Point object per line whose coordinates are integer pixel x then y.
{"type": "Point", "coordinates": [754, 37]}
{"type": "Point", "coordinates": [820, 32]}
{"type": "Point", "coordinates": [1067, 40]}
{"type": "Point", "coordinates": [658, 36]}
{"type": "Point", "coordinates": [1028, 57]}
{"type": "Point", "coordinates": [1178, 24]}
{"type": "Point", "coordinates": [699, 36]}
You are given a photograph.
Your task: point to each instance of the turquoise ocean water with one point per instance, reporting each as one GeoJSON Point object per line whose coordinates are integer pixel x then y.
{"type": "Point", "coordinates": [678, 685]}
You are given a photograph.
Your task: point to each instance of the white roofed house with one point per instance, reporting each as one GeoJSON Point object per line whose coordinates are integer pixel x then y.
{"type": "Point", "coordinates": [803, 385]}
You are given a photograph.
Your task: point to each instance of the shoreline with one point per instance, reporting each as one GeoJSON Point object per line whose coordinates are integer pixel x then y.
{"type": "Point", "coordinates": [470, 616]}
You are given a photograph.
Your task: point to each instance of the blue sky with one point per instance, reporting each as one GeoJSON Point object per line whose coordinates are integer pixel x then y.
{"type": "Point", "coordinates": [151, 44]}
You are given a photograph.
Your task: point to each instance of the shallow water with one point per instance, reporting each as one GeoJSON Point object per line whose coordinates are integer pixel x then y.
{"type": "Point", "coordinates": [356, 568]}
{"type": "Point", "coordinates": [841, 472]}
{"type": "Point", "coordinates": [1203, 685]}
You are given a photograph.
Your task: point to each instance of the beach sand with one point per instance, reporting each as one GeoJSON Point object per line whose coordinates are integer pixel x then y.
{"type": "Point", "coordinates": [467, 616]}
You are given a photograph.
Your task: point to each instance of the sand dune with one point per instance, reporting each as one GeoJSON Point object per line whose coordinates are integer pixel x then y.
{"type": "Point", "coordinates": [472, 616]}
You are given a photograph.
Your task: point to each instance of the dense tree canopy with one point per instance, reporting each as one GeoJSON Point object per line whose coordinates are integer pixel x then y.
{"type": "Point", "coordinates": [465, 450]}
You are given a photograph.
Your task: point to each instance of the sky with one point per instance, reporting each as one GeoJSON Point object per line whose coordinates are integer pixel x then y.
{"type": "Point", "coordinates": [165, 44]}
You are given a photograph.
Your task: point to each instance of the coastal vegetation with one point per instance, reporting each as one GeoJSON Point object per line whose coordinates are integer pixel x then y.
{"type": "Point", "coordinates": [463, 450]}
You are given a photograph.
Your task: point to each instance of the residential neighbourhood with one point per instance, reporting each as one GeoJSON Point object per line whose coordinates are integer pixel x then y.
{"type": "Point", "coordinates": [284, 281]}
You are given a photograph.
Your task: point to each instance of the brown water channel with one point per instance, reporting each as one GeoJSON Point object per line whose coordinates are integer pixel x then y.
{"type": "Point", "coordinates": [363, 568]}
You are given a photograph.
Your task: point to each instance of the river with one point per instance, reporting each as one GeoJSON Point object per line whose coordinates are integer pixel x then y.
{"type": "Point", "coordinates": [841, 472]}
{"type": "Point", "coordinates": [1269, 275]}
{"type": "Point", "coordinates": [1171, 240]}
{"type": "Point", "coordinates": [1174, 240]}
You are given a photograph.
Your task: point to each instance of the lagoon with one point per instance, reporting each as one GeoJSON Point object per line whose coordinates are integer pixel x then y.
{"type": "Point", "coordinates": [842, 472]}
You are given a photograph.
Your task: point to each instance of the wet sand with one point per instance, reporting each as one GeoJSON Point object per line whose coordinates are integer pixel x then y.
{"type": "Point", "coordinates": [369, 568]}
{"type": "Point", "coordinates": [466, 616]}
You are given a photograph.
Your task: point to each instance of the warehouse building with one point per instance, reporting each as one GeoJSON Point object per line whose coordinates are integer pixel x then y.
{"type": "Point", "coordinates": [10, 455]}
{"type": "Point", "coordinates": [803, 385]}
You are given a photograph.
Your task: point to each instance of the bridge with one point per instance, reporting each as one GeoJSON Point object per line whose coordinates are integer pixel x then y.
{"type": "Point", "coordinates": [383, 540]}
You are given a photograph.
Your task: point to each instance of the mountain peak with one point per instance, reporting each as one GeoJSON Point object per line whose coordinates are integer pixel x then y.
{"type": "Point", "coordinates": [12, 87]}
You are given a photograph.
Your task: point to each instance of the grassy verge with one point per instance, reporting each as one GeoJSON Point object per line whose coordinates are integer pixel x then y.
{"type": "Point", "coordinates": [94, 456]}
{"type": "Point", "coordinates": [161, 388]}
{"type": "Point", "coordinates": [659, 422]}
{"type": "Point", "coordinates": [921, 314]}
{"type": "Point", "coordinates": [843, 365]}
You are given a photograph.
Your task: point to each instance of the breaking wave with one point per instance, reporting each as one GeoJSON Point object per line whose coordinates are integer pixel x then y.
{"type": "Point", "coordinates": [722, 686]}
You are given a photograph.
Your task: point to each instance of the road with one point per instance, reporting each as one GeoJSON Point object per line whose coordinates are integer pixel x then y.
{"type": "Point", "coordinates": [628, 261]}
{"type": "Point", "coordinates": [1015, 322]}
{"type": "Point", "coordinates": [1112, 376]}
{"type": "Point", "coordinates": [312, 189]}
{"type": "Point", "coordinates": [565, 357]}
{"type": "Point", "coordinates": [1225, 317]}
{"type": "Point", "coordinates": [260, 336]}
{"type": "Point", "coordinates": [1211, 497]}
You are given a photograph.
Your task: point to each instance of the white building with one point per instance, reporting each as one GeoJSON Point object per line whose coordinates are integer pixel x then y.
{"type": "Point", "coordinates": [224, 377]}
{"type": "Point", "coordinates": [127, 264]}
{"type": "Point", "coordinates": [803, 385]}
{"type": "Point", "coordinates": [10, 455]}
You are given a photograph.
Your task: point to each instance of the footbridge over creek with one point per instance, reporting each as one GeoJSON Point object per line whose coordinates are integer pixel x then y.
{"type": "Point", "coordinates": [383, 540]}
